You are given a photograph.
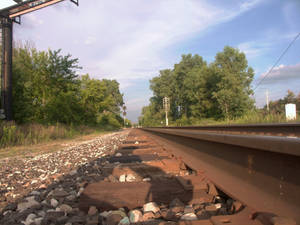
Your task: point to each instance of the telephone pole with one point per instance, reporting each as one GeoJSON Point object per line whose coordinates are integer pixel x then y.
{"type": "Point", "coordinates": [166, 105]}
{"type": "Point", "coordinates": [124, 114]}
{"type": "Point", "coordinates": [267, 100]}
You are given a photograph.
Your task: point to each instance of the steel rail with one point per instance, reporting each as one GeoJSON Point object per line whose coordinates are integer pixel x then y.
{"type": "Point", "coordinates": [279, 129]}
{"type": "Point", "coordinates": [262, 172]}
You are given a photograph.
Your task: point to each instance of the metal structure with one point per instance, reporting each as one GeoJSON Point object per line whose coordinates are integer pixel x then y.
{"type": "Point", "coordinates": [8, 16]}
{"type": "Point", "coordinates": [166, 105]}
{"type": "Point", "coordinates": [261, 171]}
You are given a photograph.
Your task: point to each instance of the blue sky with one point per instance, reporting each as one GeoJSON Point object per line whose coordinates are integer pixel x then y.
{"type": "Point", "coordinates": [132, 40]}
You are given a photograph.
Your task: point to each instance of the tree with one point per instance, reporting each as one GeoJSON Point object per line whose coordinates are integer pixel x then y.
{"type": "Point", "coordinates": [197, 90]}
{"type": "Point", "coordinates": [234, 79]}
{"type": "Point", "coordinates": [48, 90]}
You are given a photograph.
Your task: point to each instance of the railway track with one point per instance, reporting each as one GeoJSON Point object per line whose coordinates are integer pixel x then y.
{"type": "Point", "coordinates": [183, 175]}
{"type": "Point", "coordinates": [160, 176]}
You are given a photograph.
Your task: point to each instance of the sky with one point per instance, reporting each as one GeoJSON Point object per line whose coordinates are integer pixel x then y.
{"type": "Point", "coordinates": [132, 40]}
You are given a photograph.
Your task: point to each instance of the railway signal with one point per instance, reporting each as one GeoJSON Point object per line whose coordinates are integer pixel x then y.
{"type": "Point", "coordinates": [166, 105]}
{"type": "Point", "coordinates": [8, 16]}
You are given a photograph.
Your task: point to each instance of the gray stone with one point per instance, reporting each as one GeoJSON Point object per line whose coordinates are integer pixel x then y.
{"type": "Point", "coordinates": [124, 221]}
{"type": "Point", "coordinates": [65, 208]}
{"type": "Point", "coordinates": [35, 193]}
{"type": "Point", "coordinates": [71, 197]}
{"type": "Point", "coordinates": [188, 209]}
{"type": "Point", "coordinates": [30, 219]}
{"type": "Point", "coordinates": [176, 206]}
{"type": "Point", "coordinates": [92, 211]}
{"type": "Point", "coordinates": [59, 193]}
{"type": "Point", "coordinates": [92, 220]}
{"type": "Point", "coordinates": [27, 205]}
{"type": "Point", "coordinates": [38, 221]}
{"type": "Point", "coordinates": [113, 219]}
{"type": "Point", "coordinates": [77, 219]}
{"type": "Point", "coordinates": [73, 172]}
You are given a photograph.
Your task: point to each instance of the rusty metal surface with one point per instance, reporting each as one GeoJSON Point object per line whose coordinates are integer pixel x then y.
{"type": "Point", "coordinates": [279, 129]}
{"type": "Point", "coordinates": [265, 180]}
{"type": "Point", "coordinates": [285, 145]}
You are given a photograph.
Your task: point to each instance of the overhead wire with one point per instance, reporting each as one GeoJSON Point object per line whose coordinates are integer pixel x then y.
{"type": "Point", "coordinates": [277, 61]}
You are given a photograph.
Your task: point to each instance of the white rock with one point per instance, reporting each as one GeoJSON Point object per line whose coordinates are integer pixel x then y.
{"type": "Point", "coordinates": [30, 219]}
{"type": "Point", "coordinates": [38, 221]}
{"type": "Point", "coordinates": [130, 178]}
{"type": "Point", "coordinates": [104, 214]}
{"type": "Point", "coordinates": [136, 143]}
{"type": "Point", "coordinates": [26, 205]}
{"type": "Point", "coordinates": [122, 178]}
{"type": "Point", "coordinates": [73, 172]}
{"type": "Point", "coordinates": [218, 205]}
{"type": "Point", "coordinates": [151, 207]}
{"type": "Point", "coordinates": [65, 208]}
{"type": "Point", "coordinates": [41, 213]}
{"type": "Point", "coordinates": [35, 193]}
{"type": "Point", "coordinates": [135, 216]}
{"type": "Point", "coordinates": [6, 212]}
{"type": "Point", "coordinates": [147, 179]}
{"type": "Point", "coordinates": [119, 154]}
{"type": "Point", "coordinates": [189, 216]}
{"type": "Point", "coordinates": [80, 191]}
{"type": "Point", "coordinates": [53, 202]}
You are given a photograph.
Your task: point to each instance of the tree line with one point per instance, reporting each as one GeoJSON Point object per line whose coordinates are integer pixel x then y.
{"type": "Point", "coordinates": [278, 106]}
{"type": "Point", "coordinates": [198, 90]}
{"type": "Point", "coordinates": [47, 89]}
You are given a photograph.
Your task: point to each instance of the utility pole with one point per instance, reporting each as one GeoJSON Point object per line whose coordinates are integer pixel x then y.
{"type": "Point", "coordinates": [166, 105]}
{"type": "Point", "coordinates": [267, 100]}
{"type": "Point", "coordinates": [124, 114]}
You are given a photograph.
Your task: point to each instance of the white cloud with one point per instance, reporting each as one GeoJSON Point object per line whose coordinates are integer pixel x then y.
{"type": "Point", "coordinates": [128, 38]}
{"type": "Point", "coordinates": [282, 73]}
{"type": "Point", "coordinates": [263, 46]}
{"type": "Point", "coordinates": [254, 49]}
{"type": "Point", "coordinates": [90, 40]}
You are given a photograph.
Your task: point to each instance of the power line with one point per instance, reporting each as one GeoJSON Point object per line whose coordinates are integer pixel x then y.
{"type": "Point", "coordinates": [277, 61]}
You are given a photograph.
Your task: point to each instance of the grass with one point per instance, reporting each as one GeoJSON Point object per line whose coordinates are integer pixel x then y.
{"type": "Point", "coordinates": [250, 118]}
{"type": "Point", "coordinates": [12, 134]}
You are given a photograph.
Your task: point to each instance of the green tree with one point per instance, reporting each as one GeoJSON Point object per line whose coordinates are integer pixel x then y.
{"type": "Point", "coordinates": [233, 87]}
